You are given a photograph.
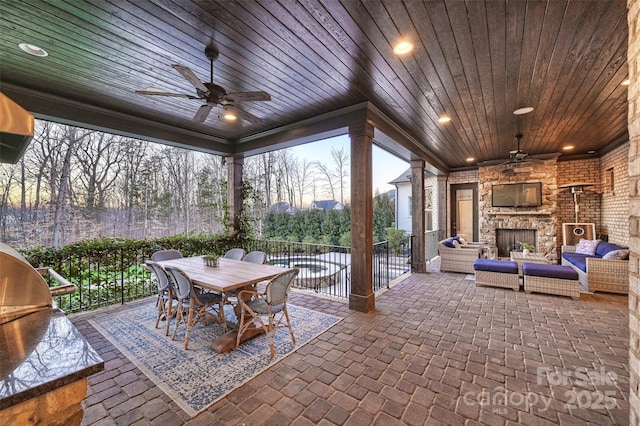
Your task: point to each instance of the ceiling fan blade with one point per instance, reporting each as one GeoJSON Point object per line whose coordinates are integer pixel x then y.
{"type": "Point", "coordinates": [202, 113]}
{"type": "Point", "coordinates": [191, 77]}
{"type": "Point", "coordinates": [157, 93]}
{"type": "Point", "coordinates": [240, 113]}
{"type": "Point", "coordinates": [247, 96]}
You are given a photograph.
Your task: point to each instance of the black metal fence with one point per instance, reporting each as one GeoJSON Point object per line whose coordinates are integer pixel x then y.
{"type": "Point", "coordinates": [115, 275]}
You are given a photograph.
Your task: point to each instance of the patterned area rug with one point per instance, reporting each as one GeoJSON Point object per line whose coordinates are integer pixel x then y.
{"type": "Point", "coordinates": [198, 377]}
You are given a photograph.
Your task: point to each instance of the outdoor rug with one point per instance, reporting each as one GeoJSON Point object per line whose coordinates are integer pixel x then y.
{"type": "Point", "coordinates": [198, 377]}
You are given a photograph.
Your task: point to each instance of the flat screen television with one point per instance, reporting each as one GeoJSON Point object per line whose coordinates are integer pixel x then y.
{"type": "Point", "coordinates": [517, 195]}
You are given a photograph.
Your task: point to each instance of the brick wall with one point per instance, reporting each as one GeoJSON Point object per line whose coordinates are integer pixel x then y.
{"type": "Point", "coordinates": [589, 201]}
{"type": "Point", "coordinates": [615, 200]}
{"type": "Point", "coordinates": [633, 54]}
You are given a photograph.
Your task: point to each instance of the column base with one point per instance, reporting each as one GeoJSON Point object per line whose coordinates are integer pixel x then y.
{"type": "Point", "coordinates": [361, 303]}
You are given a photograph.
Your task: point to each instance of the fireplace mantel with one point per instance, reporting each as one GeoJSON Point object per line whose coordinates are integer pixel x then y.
{"type": "Point", "coordinates": [536, 213]}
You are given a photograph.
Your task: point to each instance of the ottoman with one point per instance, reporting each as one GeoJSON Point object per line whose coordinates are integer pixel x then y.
{"type": "Point", "coordinates": [497, 273]}
{"type": "Point", "coordinates": [551, 279]}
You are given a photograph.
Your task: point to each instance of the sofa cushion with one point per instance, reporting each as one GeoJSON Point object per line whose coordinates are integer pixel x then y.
{"type": "Point", "coordinates": [560, 272]}
{"type": "Point", "coordinates": [605, 247]}
{"type": "Point", "coordinates": [622, 254]}
{"type": "Point", "coordinates": [578, 260]}
{"type": "Point", "coordinates": [449, 243]}
{"type": "Point", "coordinates": [495, 265]}
{"type": "Point", "coordinates": [587, 246]}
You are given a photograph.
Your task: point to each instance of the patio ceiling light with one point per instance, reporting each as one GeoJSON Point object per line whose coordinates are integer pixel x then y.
{"type": "Point", "coordinates": [403, 47]}
{"type": "Point", "coordinates": [470, 159]}
{"type": "Point", "coordinates": [32, 49]}
{"type": "Point", "coordinates": [228, 114]}
{"type": "Point", "coordinates": [567, 147]}
{"type": "Point", "coordinates": [523, 110]}
{"type": "Point", "coordinates": [626, 82]}
{"type": "Point", "coordinates": [444, 119]}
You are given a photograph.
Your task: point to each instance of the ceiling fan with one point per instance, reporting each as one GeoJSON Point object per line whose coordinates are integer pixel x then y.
{"type": "Point", "coordinates": [213, 94]}
{"type": "Point", "coordinates": [517, 159]}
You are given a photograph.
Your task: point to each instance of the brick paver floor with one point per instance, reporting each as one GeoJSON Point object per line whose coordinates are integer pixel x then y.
{"type": "Point", "coordinates": [437, 350]}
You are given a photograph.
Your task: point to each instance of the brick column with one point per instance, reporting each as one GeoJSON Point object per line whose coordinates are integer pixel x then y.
{"type": "Point", "coordinates": [361, 297]}
{"type": "Point", "coordinates": [418, 256]}
{"type": "Point", "coordinates": [234, 193]}
{"type": "Point", "coordinates": [633, 59]}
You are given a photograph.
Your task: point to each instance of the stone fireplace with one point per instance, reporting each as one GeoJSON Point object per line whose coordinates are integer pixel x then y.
{"type": "Point", "coordinates": [508, 240]}
{"type": "Point", "coordinates": [504, 227]}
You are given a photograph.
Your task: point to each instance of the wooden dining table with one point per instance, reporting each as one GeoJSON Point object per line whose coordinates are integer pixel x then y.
{"type": "Point", "coordinates": [228, 276]}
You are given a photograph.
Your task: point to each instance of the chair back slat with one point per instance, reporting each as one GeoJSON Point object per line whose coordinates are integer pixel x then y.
{"type": "Point", "coordinates": [161, 276]}
{"type": "Point", "coordinates": [277, 289]}
{"type": "Point", "coordinates": [161, 255]}
{"type": "Point", "coordinates": [183, 283]}
{"type": "Point", "coordinates": [256, 257]}
{"type": "Point", "coordinates": [234, 253]}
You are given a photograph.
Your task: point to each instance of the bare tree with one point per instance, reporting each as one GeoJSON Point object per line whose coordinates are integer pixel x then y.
{"type": "Point", "coordinates": [341, 160]}
{"type": "Point", "coordinates": [302, 179]}
{"type": "Point", "coordinates": [99, 156]}
{"type": "Point", "coordinates": [73, 136]}
{"type": "Point", "coordinates": [327, 177]}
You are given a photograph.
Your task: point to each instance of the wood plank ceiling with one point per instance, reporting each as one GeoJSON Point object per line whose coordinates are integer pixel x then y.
{"type": "Point", "coordinates": [473, 61]}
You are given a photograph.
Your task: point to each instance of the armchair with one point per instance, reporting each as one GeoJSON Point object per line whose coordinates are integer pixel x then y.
{"type": "Point", "coordinates": [459, 258]}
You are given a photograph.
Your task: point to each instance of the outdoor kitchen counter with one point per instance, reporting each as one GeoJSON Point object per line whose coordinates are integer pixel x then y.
{"type": "Point", "coordinates": [44, 359]}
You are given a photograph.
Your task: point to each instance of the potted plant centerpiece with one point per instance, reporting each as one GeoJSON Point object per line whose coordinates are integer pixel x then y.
{"type": "Point", "coordinates": [213, 258]}
{"type": "Point", "coordinates": [527, 248]}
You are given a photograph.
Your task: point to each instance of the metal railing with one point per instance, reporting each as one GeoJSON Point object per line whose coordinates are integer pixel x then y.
{"type": "Point", "coordinates": [115, 275]}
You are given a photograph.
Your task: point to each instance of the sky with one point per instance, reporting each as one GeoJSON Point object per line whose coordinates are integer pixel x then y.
{"type": "Point", "coordinates": [386, 167]}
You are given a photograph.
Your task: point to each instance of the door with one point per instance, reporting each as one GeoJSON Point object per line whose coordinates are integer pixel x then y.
{"type": "Point", "coordinates": [464, 211]}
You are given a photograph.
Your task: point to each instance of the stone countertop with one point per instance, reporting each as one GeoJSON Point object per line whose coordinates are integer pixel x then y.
{"type": "Point", "coordinates": [41, 352]}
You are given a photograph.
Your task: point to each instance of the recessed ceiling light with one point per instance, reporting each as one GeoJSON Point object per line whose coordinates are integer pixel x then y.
{"type": "Point", "coordinates": [567, 147]}
{"type": "Point", "coordinates": [626, 82]}
{"type": "Point", "coordinates": [591, 152]}
{"type": "Point", "coordinates": [403, 47]}
{"type": "Point", "coordinates": [34, 50]}
{"type": "Point", "coordinates": [470, 159]}
{"type": "Point", "coordinates": [444, 119]}
{"type": "Point", "coordinates": [524, 110]}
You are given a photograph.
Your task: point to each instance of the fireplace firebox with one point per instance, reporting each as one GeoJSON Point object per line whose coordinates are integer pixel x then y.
{"type": "Point", "coordinates": [508, 240]}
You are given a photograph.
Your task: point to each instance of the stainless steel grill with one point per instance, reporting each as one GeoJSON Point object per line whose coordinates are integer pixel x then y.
{"type": "Point", "coordinates": [23, 289]}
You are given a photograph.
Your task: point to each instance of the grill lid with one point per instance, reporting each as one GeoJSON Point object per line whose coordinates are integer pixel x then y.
{"type": "Point", "coordinates": [22, 288]}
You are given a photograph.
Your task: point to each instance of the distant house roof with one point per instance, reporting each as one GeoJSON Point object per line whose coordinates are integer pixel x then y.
{"type": "Point", "coordinates": [326, 205]}
{"type": "Point", "coordinates": [281, 206]}
{"type": "Point", "coordinates": [403, 178]}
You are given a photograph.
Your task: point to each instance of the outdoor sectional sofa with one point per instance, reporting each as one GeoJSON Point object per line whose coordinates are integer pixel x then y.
{"type": "Point", "coordinates": [459, 258]}
{"type": "Point", "coordinates": [596, 273]}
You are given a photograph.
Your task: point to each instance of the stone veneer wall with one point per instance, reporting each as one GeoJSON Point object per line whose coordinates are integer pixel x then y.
{"type": "Point", "coordinates": [633, 58]}
{"type": "Point", "coordinates": [542, 218]}
{"type": "Point", "coordinates": [615, 205]}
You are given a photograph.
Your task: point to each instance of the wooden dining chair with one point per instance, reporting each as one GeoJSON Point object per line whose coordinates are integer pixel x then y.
{"type": "Point", "coordinates": [270, 305]}
{"type": "Point", "coordinates": [193, 304]}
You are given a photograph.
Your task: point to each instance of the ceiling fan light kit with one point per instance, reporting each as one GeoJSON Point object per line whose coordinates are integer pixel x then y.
{"type": "Point", "coordinates": [213, 94]}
